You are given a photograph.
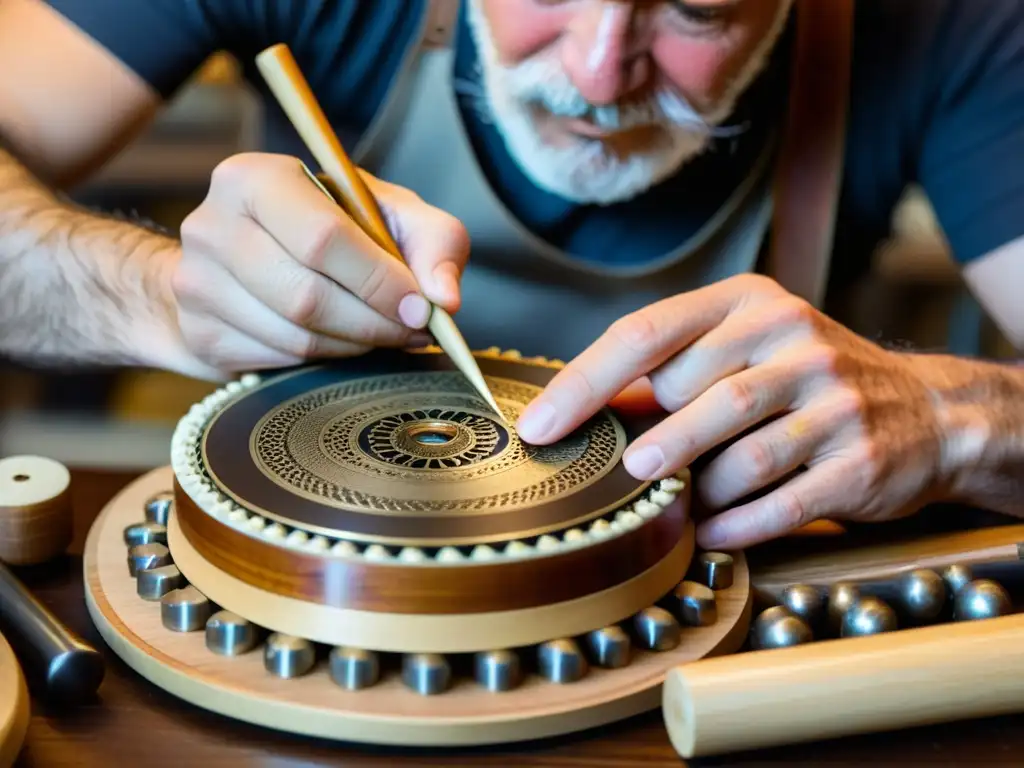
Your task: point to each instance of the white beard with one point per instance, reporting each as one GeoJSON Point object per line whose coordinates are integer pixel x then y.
{"type": "Point", "coordinates": [583, 169]}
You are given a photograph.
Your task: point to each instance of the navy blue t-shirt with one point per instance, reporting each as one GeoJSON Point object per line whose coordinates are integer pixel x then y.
{"type": "Point", "coordinates": [937, 99]}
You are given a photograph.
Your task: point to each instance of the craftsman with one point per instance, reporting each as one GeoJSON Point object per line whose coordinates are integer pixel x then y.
{"type": "Point", "coordinates": [611, 164]}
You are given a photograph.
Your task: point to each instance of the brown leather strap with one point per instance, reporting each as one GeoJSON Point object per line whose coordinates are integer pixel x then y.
{"type": "Point", "coordinates": [810, 164]}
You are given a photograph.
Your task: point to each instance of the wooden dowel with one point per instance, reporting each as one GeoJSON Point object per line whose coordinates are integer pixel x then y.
{"type": "Point", "coordinates": [844, 687]}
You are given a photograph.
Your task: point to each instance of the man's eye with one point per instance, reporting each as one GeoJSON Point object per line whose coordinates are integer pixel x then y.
{"type": "Point", "coordinates": [701, 14]}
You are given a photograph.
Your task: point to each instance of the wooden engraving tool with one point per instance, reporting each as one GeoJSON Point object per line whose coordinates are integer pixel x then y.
{"type": "Point", "coordinates": [281, 72]}
{"type": "Point", "coordinates": [363, 551]}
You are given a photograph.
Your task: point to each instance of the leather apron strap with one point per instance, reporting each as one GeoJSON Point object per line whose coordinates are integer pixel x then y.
{"type": "Point", "coordinates": [810, 164]}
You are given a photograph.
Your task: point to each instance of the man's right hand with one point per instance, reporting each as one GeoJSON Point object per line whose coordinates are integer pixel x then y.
{"type": "Point", "coordinates": [272, 273]}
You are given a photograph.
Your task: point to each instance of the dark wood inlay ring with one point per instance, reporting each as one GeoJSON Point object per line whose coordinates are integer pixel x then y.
{"type": "Point", "coordinates": [396, 587]}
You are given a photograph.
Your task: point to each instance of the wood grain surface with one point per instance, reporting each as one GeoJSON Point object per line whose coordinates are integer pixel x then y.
{"type": "Point", "coordinates": [135, 723]}
{"type": "Point", "coordinates": [362, 584]}
{"type": "Point", "coordinates": [387, 712]}
{"type": "Point", "coordinates": [14, 705]}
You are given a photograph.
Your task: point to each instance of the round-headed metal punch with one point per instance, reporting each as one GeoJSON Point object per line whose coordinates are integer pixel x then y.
{"type": "Point", "coordinates": [146, 556]}
{"type": "Point", "coordinates": [158, 507]}
{"type": "Point", "coordinates": [288, 656]}
{"type": "Point", "coordinates": [716, 570]}
{"type": "Point", "coordinates": [657, 629]}
{"type": "Point", "coordinates": [695, 604]}
{"type": "Point", "coordinates": [561, 661]}
{"type": "Point", "coordinates": [353, 668]}
{"type": "Point", "coordinates": [153, 583]}
{"type": "Point", "coordinates": [609, 647]}
{"type": "Point", "coordinates": [497, 671]}
{"type": "Point", "coordinates": [228, 634]}
{"type": "Point", "coordinates": [138, 534]}
{"type": "Point", "coordinates": [426, 673]}
{"type": "Point", "coordinates": [185, 610]}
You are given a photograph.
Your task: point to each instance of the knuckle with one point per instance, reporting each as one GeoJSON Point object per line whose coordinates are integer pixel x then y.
{"type": "Point", "coordinates": [753, 284]}
{"type": "Point", "coordinates": [197, 229]}
{"type": "Point", "coordinates": [577, 384]}
{"type": "Point", "coordinates": [374, 283]}
{"type": "Point", "coordinates": [302, 345]}
{"type": "Point", "coordinates": [869, 460]}
{"type": "Point", "coordinates": [826, 359]}
{"type": "Point", "coordinates": [452, 236]}
{"type": "Point", "coordinates": [206, 341]}
{"type": "Point", "coordinates": [759, 459]}
{"type": "Point", "coordinates": [737, 395]}
{"type": "Point", "coordinates": [234, 169]}
{"type": "Point", "coordinates": [305, 303]}
{"type": "Point", "coordinates": [638, 333]}
{"type": "Point", "coordinates": [792, 310]}
{"type": "Point", "coordinates": [324, 236]}
{"type": "Point", "coordinates": [189, 285]}
{"type": "Point", "coordinates": [851, 404]}
{"type": "Point", "coordinates": [792, 511]}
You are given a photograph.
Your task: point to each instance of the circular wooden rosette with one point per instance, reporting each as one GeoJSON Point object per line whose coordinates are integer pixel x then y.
{"type": "Point", "coordinates": [387, 712]}
{"type": "Point", "coordinates": [14, 706]}
{"type": "Point", "coordinates": [397, 458]}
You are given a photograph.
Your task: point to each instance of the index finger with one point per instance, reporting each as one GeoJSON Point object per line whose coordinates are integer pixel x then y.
{"type": "Point", "coordinates": [632, 347]}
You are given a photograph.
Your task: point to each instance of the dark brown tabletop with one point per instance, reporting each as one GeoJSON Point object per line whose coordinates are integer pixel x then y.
{"type": "Point", "coordinates": [134, 723]}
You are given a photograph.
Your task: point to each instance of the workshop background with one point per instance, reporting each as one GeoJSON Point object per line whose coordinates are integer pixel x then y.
{"type": "Point", "coordinates": [123, 420]}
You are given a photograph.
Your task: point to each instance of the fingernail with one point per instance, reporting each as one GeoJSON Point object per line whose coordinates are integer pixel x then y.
{"type": "Point", "coordinates": [536, 421]}
{"type": "Point", "coordinates": [645, 463]}
{"type": "Point", "coordinates": [414, 311]}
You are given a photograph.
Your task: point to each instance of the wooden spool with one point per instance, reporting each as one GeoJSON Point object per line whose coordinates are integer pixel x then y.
{"type": "Point", "coordinates": [36, 521]}
{"type": "Point", "coordinates": [14, 706]}
{"type": "Point", "coordinates": [387, 713]}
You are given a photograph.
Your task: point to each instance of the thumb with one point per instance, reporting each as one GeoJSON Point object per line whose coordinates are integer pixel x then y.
{"type": "Point", "coordinates": [433, 243]}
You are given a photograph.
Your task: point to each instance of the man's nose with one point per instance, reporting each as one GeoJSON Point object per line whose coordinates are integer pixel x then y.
{"type": "Point", "coordinates": [602, 54]}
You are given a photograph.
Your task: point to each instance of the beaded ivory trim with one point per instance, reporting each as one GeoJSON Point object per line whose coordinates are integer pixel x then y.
{"type": "Point", "coordinates": [188, 469]}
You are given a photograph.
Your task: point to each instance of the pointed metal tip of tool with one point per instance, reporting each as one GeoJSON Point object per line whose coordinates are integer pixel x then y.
{"type": "Point", "coordinates": [450, 340]}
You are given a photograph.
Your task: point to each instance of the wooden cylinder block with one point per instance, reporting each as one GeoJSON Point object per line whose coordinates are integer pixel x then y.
{"type": "Point", "coordinates": [36, 520]}
{"type": "Point", "coordinates": [846, 687]}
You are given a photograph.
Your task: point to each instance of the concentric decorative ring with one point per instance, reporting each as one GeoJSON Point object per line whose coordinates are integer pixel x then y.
{"type": "Point", "coordinates": [397, 449]}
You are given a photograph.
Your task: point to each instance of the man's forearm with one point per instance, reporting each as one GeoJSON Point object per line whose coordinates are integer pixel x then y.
{"type": "Point", "coordinates": [77, 287]}
{"type": "Point", "coordinates": [981, 411]}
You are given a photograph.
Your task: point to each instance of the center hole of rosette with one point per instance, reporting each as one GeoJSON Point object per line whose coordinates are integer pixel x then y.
{"type": "Point", "coordinates": [433, 433]}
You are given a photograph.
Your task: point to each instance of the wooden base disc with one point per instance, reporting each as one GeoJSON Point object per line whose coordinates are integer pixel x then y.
{"type": "Point", "coordinates": [14, 706]}
{"type": "Point", "coordinates": [387, 713]}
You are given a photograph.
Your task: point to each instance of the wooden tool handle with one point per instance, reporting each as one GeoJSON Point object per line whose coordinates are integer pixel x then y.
{"type": "Point", "coordinates": [292, 91]}
{"type": "Point", "coordinates": [844, 687]}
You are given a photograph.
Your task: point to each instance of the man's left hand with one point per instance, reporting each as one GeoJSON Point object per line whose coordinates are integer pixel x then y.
{"type": "Point", "coordinates": [746, 365]}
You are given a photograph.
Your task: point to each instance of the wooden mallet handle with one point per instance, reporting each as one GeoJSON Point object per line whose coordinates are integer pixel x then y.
{"type": "Point", "coordinates": [844, 687]}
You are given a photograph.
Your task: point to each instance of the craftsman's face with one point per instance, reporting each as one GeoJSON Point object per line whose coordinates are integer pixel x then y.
{"type": "Point", "coordinates": [599, 100]}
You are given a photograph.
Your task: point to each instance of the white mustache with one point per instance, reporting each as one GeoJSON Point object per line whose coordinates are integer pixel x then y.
{"type": "Point", "coordinates": [545, 83]}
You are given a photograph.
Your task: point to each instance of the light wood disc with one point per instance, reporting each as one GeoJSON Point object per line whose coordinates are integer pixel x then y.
{"type": "Point", "coordinates": [14, 706]}
{"type": "Point", "coordinates": [387, 713]}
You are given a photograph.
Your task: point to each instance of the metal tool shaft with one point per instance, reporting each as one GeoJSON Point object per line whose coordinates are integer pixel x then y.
{"type": "Point", "coordinates": [68, 669]}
